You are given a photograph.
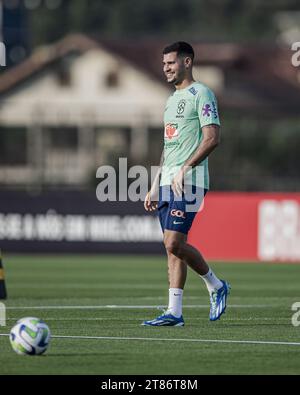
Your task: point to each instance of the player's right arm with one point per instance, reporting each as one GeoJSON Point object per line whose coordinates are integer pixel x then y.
{"type": "Point", "coordinates": [151, 199]}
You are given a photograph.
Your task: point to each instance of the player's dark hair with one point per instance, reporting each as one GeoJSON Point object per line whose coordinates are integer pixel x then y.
{"type": "Point", "coordinates": [182, 48]}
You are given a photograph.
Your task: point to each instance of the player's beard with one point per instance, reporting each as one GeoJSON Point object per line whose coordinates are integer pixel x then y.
{"type": "Point", "coordinates": [178, 78]}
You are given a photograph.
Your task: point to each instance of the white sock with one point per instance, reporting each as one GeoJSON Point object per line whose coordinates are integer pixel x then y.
{"type": "Point", "coordinates": [212, 282]}
{"type": "Point", "coordinates": [175, 302]}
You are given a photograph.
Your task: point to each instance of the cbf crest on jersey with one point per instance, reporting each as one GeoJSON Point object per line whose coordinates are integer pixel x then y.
{"type": "Point", "coordinates": [171, 131]}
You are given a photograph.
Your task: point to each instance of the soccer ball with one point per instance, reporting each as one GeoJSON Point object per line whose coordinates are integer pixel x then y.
{"type": "Point", "coordinates": [30, 336]}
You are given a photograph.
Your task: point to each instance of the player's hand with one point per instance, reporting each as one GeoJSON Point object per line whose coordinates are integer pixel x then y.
{"type": "Point", "coordinates": [177, 183]}
{"type": "Point", "coordinates": [149, 204]}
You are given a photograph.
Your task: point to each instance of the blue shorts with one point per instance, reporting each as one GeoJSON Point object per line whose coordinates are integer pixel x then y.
{"type": "Point", "coordinates": [178, 213]}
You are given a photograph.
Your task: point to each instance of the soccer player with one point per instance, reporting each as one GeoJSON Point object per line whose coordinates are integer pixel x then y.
{"type": "Point", "coordinates": [192, 132]}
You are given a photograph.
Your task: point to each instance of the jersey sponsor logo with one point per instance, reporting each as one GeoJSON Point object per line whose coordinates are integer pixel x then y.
{"type": "Point", "coordinates": [214, 110]}
{"type": "Point", "coordinates": [171, 130]}
{"type": "Point", "coordinates": [170, 144]}
{"type": "Point", "coordinates": [193, 91]}
{"type": "Point", "coordinates": [181, 107]}
{"type": "Point", "coordinates": [207, 109]}
{"type": "Point", "coordinates": [178, 213]}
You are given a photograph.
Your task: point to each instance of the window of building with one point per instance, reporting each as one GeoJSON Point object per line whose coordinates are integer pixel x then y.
{"type": "Point", "coordinates": [63, 77]}
{"type": "Point", "coordinates": [112, 79]}
{"type": "Point", "coordinates": [63, 70]}
{"type": "Point", "coordinates": [63, 138]}
{"type": "Point", "coordinates": [13, 146]}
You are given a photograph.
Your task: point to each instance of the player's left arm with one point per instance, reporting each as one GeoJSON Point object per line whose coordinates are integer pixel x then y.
{"type": "Point", "coordinates": [210, 140]}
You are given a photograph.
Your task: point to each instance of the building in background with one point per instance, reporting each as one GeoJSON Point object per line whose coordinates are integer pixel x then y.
{"type": "Point", "coordinates": [82, 102]}
{"type": "Point", "coordinates": [72, 107]}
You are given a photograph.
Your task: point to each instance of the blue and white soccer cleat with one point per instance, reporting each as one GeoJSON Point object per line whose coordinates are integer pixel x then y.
{"type": "Point", "coordinates": [218, 301]}
{"type": "Point", "coordinates": [165, 320]}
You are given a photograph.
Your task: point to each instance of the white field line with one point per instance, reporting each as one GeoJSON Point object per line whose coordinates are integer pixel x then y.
{"type": "Point", "coordinates": [103, 319]}
{"type": "Point", "coordinates": [176, 340]}
{"type": "Point", "coordinates": [134, 319]}
{"type": "Point", "coordinates": [189, 306]}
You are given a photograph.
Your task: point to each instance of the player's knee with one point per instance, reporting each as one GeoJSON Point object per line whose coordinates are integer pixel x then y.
{"type": "Point", "coordinates": [173, 246]}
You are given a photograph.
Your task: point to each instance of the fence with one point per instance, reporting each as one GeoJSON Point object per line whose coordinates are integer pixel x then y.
{"type": "Point", "coordinates": [232, 226]}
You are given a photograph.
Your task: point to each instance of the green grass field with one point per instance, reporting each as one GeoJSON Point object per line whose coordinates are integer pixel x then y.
{"type": "Point", "coordinates": [109, 297]}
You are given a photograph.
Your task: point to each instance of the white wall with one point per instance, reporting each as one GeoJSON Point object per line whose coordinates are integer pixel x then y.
{"type": "Point", "coordinates": [88, 99]}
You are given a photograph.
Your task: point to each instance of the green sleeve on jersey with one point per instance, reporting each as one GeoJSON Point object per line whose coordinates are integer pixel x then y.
{"type": "Point", "coordinates": [207, 108]}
